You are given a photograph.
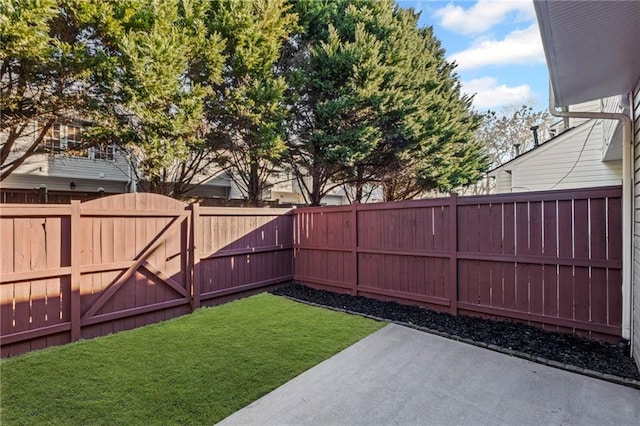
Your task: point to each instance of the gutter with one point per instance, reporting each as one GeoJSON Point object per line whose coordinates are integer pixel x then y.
{"type": "Point", "coordinates": [627, 203]}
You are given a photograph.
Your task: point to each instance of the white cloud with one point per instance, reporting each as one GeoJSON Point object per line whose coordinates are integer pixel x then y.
{"type": "Point", "coordinates": [488, 94]}
{"type": "Point", "coordinates": [518, 47]}
{"type": "Point", "coordinates": [484, 15]}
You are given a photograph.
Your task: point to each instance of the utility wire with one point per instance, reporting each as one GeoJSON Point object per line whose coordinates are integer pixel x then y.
{"type": "Point", "coordinates": [579, 155]}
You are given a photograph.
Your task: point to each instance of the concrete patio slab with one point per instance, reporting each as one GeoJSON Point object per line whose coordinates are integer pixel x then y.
{"type": "Point", "coordinates": [401, 376]}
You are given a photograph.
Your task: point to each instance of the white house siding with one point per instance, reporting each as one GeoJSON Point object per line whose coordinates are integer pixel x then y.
{"type": "Point", "coordinates": [589, 106]}
{"type": "Point", "coordinates": [611, 104]}
{"type": "Point", "coordinates": [76, 167]}
{"type": "Point", "coordinates": [636, 226]}
{"type": "Point", "coordinates": [572, 160]}
{"type": "Point", "coordinates": [503, 182]}
{"type": "Point", "coordinates": [612, 129]}
{"type": "Point", "coordinates": [56, 183]}
{"type": "Point", "coordinates": [56, 172]}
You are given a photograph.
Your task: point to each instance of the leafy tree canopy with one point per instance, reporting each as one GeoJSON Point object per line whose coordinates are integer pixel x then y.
{"type": "Point", "coordinates": [44, 74]}
{"type": "Point", "coordinates": [342, 92]}
{"type": "Point", "coordinates": [377, 104]}
{"type": "Point", "coordinates": [247, 109]}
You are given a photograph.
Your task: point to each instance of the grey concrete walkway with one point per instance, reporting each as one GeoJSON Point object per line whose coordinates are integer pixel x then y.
{"type": "Point", "coordinates": [401, 376]}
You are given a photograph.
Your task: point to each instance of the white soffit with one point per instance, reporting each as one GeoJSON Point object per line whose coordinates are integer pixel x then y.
{"type": "Point", "coordinates": [592, 47]}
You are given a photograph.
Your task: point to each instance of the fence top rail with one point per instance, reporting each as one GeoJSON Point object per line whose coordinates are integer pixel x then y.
{"type": "Point", "coordinates": [34, 210]}
{"type": "Point", "coordinates": [555, 195]}
{"type": "Point", "coordinates": [327, 209]}
{"type": "Point", "coordinates": [559, 195]}
{"type": "Point", "coordinates": [244, 211]}
{"type": "Point", "coordinates": [132, 212]}
{"type": "Point", "coordinates": [389, 205]}
{"type": "Point", "coordinates": [408, 204]}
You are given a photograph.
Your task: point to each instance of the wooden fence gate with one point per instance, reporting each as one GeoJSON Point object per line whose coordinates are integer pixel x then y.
{"type": "Point", "coordinates": [133, 262]}
{"type": "Point", "coordinates": [89, 269]}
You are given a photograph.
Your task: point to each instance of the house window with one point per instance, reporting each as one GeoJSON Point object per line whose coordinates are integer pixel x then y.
{"type": "Point", "coordinates": [101, 152]}
{"type": "Point", "coordinates": [67, 139]}
{"type": "Point", "coordinates": [62, 137]}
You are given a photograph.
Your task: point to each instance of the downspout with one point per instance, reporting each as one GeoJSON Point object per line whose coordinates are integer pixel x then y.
{"type": "Point", "coordinates": [627, 200]}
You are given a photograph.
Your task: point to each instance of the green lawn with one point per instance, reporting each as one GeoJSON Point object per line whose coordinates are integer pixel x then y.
{"type": "Point", "coordinates": [196, 369]}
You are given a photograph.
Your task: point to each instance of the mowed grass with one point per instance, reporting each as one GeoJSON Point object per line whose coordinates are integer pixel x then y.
{"type": "Point", "coordinates": [195, 369]}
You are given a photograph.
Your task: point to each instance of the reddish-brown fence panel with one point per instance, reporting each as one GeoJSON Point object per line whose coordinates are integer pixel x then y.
{"type": "Point", "coordinates": [403, 251]}
{"type": "Point", "coordinates": [325, 247]}
{"type": "Point", "coordinates": [89, 269]}
{"type": "Point", "coordinates": [240, 249]}
{"type": "Point", "coordinates": [548, 258]}
{"type": "Point", "coordinates": [34, 277]}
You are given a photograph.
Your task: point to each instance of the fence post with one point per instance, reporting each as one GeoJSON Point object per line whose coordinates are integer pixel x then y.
{"type": "Point", "coordinates": [194, 270]}
{"type": "Point", "coordinates": [75, 314]}
{"type": "Point", "coordinates": [453, 253]}
{"type": "Point", "coordinates": [354, 245]}
{"type": "Point", "coordinates": [295, 235]}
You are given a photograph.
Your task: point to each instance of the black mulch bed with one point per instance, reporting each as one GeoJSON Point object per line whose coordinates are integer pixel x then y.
{"type": "Point", "coordinates": [560, 347]}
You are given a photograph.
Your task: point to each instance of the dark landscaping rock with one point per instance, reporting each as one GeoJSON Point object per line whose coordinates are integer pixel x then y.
{"type": "Point", "coordinates": [562, 348]}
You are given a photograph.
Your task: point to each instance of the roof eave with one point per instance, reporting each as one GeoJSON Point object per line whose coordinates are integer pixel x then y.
{"type": "Point", "coordinates": [590, 47]}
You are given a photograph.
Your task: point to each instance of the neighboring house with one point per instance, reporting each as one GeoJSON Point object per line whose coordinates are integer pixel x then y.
{"type": "Point", "coordinates": [287, 190]}
{"type": "Point", "coordinates": [586, 154]}
{"type": "Point", "coordinates": [62, 165]}
{"type": "Point", "coordinates": [592, 53]}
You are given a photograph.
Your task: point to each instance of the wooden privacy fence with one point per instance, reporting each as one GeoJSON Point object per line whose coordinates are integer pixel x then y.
{"type": "Point", "coordinates": [89, 269]}
{"type": "Point", "coordinates": [548, 258]}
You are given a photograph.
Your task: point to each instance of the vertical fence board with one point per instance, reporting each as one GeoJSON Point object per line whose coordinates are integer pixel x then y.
{"type": "Point", "coordinates": [598, 228]}
{"type": "Point", "coordinates": [105, 225]}
{"type": "Point", "coordinates": [76, 259]}
{"type": "Point", "coordinates": [53, 308]}
{"type": "Point", "coordinates": [522, 248]}
{"type": "Point", "coordinates": [496, 248]}
{"type": "Point", "coordinates": [535, 248]}
{"type": "Point", "coordinates": [22, 290]}
{"type": "Point", "coordinates": [140, 291]}
{"type": "Point", "coordinates": [598, 305]}
{"type": "Point", "coordinates": [615, 297]}
{"type": "Point", "coordinates": [38, 290]}
{"type": "Point", "coordinates": [614, 248]}
{"type": "Point", "coordinates": [118, 235]}
{"type": "Point", "coordinates": [484, 246]}
{"type": "Point", "coordinates": [129, 288]}
{"type": "Point", "coordinates": [582, 287]}
{"type": "Point", "coordinates": [439, 228]}
{"type": "Point", "coordinates": [550, 246]}
{"type": "Point", "coordinates": [196, 248]}
{"type": "Point", "coordinates": [565, 247]}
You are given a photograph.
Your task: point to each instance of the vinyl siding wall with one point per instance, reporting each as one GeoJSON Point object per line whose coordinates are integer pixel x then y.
{"type": "Point", "coordinates": [503, 182]}
{"type": "Point", "coordinates": [612, 129]}
{"type": "Point", "coordinates": [57, 171]}
{"type": "Point", "coordinates": [590, 106]}
{"type": "Point", "coordinates": [563, 164]}
{"type": "Point", "coordinates": [636, 226]}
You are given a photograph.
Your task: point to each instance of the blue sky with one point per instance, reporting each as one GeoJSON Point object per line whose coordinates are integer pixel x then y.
{"type": "Point", "coordinates": [496, 44]}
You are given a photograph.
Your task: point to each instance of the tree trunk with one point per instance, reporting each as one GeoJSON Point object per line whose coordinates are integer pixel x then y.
{"type": "Point", "coordinates": [254, 189]}
{"type": "Point", "coordinates": [359, 185]}
{"type": "Point", "coordinates": [9, 167]}
{"type": "Point", "coordinates": [315, 198]}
